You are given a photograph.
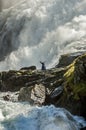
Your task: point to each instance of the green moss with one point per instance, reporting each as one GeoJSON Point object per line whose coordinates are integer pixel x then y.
{"type": "Point", "coordinates": [79, 90]}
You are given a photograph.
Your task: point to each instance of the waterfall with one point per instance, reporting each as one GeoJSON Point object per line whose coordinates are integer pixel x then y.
{"type": "Point", "coordinates": [40, 30]}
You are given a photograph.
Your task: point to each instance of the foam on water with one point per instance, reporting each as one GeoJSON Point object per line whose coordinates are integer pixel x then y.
{"type": "Point", "coordinates": [41, 30]}
{"type": "Point", "coordinates": [22, 116]}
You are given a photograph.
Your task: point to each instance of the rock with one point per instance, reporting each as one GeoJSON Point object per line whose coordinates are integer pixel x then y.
{"type": "Point", "coordinates": [63, 87]}
{"type": "Point", "coordinates": [6, 98]}
{"type": "Point", "coordinates": [25, 94]}
{"type": "Point", "coordinates": [29, 68]}
{"type": "Point", "coordinates": [57, 92]}
{"type": "Point", "coordinates": [34, 94]}
{"type": "Point", "coordinates": [83, 128]}
{"type": "Point", "coordinates": [13, 80]}
{"type": "Point", "coordinates": [80, 69]}
{"type": "Point", "coordinates": [75, 87]}
{"type": "Point", "coordinates": [67, 59]}
{"type": "Point", "coordinates": [54, 96]}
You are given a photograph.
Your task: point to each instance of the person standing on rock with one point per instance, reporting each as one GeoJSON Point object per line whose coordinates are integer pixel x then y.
{"type": "Point", "coordinates": [43, 66]}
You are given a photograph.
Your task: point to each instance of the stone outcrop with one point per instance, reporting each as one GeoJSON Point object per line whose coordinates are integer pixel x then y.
{"type": "Point", "coordinates": [13, 80]}
{"type": "Point", "coordinates": [6, 98]}
{"type": "Point", "coordinates": [29, 68]}
{"type": "Point", "coordinates": [67, 59]}
{"type": "Point", "coordinates": [83, 128]}
{"type": "Point", "coordinates": [35, 94]}
{"type": "Point", "coordinates": [63, 86]}
{"type": "Point", "coordinates": [75, 86]}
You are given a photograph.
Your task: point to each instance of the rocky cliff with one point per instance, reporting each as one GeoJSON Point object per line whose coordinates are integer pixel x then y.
{"type": "Point", "coordinates": [63, 86]}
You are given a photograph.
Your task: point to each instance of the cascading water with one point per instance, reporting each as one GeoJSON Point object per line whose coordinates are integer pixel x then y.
{"type": "Point", "coordinates": [31, 31]}
{"type": "Point", "coordinates": [37, 118]}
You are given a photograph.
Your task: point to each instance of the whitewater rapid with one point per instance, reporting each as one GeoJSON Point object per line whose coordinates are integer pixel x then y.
{"type": "Point", "coordinates": [41, 30]}
{"type": "Point", "coordinates": [23, 116]}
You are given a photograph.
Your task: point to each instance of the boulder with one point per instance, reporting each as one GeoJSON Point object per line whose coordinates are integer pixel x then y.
{"type": "Point", "coordinates": [35, 94]}
{"type": "Point", "coordinates": [83, 128]}
{"type": "Point", "coordinates": [67, 59]}
{"type": "Point", "coordinates": [6, 98]}
{"type": "Point", "coordinates": [57, 92]}
{"type": "Point", "coordinates": [29, 68]}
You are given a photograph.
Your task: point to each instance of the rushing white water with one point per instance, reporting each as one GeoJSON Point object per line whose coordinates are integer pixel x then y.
{"type": "Point", "coordinates": [22, 116]}
{"type": "Point", "coordinates": [35, 30]}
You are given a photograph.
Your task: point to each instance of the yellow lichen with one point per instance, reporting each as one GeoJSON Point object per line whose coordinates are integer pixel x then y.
{"type": "Point", "coordinates": [70, 70]}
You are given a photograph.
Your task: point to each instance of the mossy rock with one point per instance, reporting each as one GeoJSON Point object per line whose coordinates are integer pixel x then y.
{"type": "Point", "coordinates": [67, 59]}
{"type": "Point", "coordinates": [75, 86]}
{"type": "Point", "coordinates": [75, 78]}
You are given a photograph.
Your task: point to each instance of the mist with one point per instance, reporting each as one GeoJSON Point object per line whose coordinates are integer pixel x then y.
{"type": "Point", "coordinates": [5, 4]}
{"type": "Point", "coordinates": [40, 30]}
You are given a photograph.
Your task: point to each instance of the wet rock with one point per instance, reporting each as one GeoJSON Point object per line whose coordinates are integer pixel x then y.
{"type": "Point", "coordinates": [57, 92]}
{"type": "Point", "coordinates": [29, 68]}
{"type": "Point", "coordinates": [53, 96]}
{"type": "Point", "coordinates": [83, 128]}
{"type": "Point", "coordinates": [25, 94]}
{"type": "Point", "coordinates": [13, 80]}
{"type": "Point", "coordinates": [6, 98]}
{"type": "Point", "coordinates": [34, 94]}
{"type": "Point", "coordinates": [67, 59]}
{"type": "Point", "coordinates": [75, 86]}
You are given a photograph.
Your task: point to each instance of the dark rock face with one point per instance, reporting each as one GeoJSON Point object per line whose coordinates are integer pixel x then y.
{"type": "Point", "coordinates": [6, 98]}
{"type": "Point", "coordinates": [29, 68]}
{"type": "Point", "coordinates": [14, 80]}
{"type": "Point", "coordinates": [56, 92]}
{"type": "Point", "coordinates": [80, 69]}
{"type": "Point", "coordinates": [83, 128]}
{"type": "Point", "coordinates": [67, 59]}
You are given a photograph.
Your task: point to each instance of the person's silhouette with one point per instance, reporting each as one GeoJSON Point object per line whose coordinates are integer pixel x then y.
{"type": "Point", "coordinates": [43, 65]}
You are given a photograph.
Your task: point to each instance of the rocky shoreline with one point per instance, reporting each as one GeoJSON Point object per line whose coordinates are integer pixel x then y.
{"type": "Point", "coordinates": [63, 86]}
